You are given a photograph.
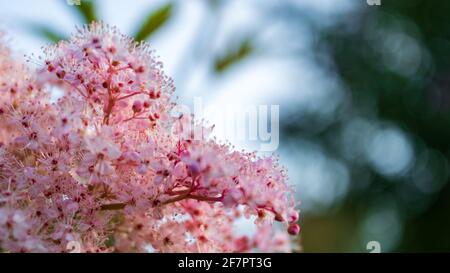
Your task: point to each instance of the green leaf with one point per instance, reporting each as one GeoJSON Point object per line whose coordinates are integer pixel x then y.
{"type": "Point", "coordinates": [86, 10]}
{"type": "Point", "coordinates": [110, 241]}
{"type": "Point", "coordinates": [234, 56]}
{"type": "Point", "coordinates": [47, 32]}
{"type": "Point", "coordinates": [154, 21]}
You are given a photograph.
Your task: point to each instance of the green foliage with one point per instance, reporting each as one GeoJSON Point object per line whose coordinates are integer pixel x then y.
{"type": "Point", "coordinates": [88, 13]}
{"type": "Point", "coordinates": [154, 21]}
{"type": "Point", "coordinates": [47, 32]}
{"type": "Point", "coordinates": [234, 56]}
{"type": "Point", "coordinates": [86, 10]}
{"type": "Point", "coordinates": [110, 241]}
{"type": "Point", "coordinates": [364, 46]}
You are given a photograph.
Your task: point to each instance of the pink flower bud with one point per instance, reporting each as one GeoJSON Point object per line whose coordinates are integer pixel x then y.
{"type": "Point", "coordinates": [137, 106]}
{"type": "Point", "coordinates": [294, 229]}
{"type": "Point", "coordinates": [279, 218]}
{"type": "Point", "coordinates": [293, 216]}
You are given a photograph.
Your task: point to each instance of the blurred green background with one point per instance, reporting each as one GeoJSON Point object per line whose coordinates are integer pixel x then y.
{"type": "Point", "coordinates": [364, 95]}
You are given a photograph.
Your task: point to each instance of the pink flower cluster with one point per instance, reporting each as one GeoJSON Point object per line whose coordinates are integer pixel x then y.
{"type": "Point", "coordinates": [106, 165]}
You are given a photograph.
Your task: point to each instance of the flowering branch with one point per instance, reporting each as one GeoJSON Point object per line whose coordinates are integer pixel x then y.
{"type": "Point", "coordinates": [109, 138]}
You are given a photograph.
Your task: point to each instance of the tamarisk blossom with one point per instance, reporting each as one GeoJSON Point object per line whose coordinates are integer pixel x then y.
{"type": "Point", "coordinates": [108, 166]}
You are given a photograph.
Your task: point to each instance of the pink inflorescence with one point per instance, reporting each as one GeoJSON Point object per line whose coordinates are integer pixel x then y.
{"type": "Point", "coordinates": [108, 167]}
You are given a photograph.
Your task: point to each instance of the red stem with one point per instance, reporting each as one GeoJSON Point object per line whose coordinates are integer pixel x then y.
{"type": "Point", "coordinates": [119, 206]}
